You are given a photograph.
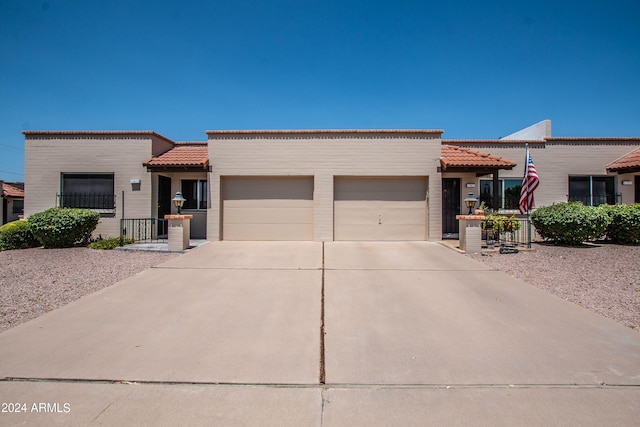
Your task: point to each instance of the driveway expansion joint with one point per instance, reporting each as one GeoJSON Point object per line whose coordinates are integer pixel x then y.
{"type": "Point", "coordinates": [325, 386]}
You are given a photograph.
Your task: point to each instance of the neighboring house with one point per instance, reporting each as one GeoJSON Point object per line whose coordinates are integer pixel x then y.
{"type": "Point", "coordinates": [591, 170]}
{"type": "Point", "coordinates": [320, 185]}
{"type": "Point", "coordinates": [11, 201]}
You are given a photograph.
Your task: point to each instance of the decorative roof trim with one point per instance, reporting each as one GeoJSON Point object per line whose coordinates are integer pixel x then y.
{"type": "Point", "coordinates": [493, 141]}
{"type": "Point", "coordinates": [594, 138]}
{"type": "Point", "coordinates": [95, 133]}
{"type": "Point", "coordinates": [325, 131]}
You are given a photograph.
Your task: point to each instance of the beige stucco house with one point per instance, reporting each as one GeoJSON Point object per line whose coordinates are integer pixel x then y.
{"type": "Point", "coordinates": [320, 185]}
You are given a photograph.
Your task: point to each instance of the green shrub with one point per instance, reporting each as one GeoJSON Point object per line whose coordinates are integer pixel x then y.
{"type": "Point", "coordinates": [625, 223]}
{"type": "Point", "coordinates": [17, 235]}
{"type": "Point", "coordinates": [570, 223]}
{"type": "Point", "coordinates": [64, 227]}
{"type": "Point", "coordinates": [109, 243]}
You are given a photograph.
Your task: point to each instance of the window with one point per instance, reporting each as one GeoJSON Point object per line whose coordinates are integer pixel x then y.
{"type": "Point", "coordinates": [88, 191]}
{"type": "Point", "coordinates": [592, 190]}
{"type": "Point", "coordinates": [195, 191]}
{"type": "Point", "coordinates": [509, 193]}
{"type": "Point", "coordinates": [18, 206]}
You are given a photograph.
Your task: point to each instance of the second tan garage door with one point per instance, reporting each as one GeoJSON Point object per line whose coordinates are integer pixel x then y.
{"type": "Point", "coordinates": [380, 208]}
{"type": "Point", "coordinates": [267, 208]}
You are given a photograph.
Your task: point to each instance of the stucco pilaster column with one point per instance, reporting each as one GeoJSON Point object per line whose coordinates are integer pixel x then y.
{"type": "Point", "coordinates": [470, 232]}
{"type": "Point", "coordinates": [179, 232]}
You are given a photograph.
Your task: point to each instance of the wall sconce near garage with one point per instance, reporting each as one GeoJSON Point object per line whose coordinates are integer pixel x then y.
{"type": "Point", "coordinates": [626, 182]}
{"type": "Point", "coordinates": [470, 185]}
{"type": "Point", "coordinates": [135, 184]}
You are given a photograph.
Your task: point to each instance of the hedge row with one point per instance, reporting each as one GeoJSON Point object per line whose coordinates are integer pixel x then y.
{"type": "Point", "coordinates": [574, 223]}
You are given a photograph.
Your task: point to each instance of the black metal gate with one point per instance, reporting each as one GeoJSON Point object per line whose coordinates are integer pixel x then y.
{"type": "Point", "coordinates": [450, 207]}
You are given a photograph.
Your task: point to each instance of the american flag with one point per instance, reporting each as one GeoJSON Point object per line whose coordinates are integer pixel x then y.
{"type": "Point", "coordinates": [529, 184]}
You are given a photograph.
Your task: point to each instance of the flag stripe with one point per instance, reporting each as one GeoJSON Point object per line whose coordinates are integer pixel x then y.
{"type": "Point", "coordinates": [529, 184]}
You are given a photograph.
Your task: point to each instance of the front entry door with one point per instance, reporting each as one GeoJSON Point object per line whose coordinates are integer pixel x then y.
{"type": "Point", "coordinates": [164, 203]}
{"type": "Point", "coordinates": [637, 189]}
{"type": "Point", "coordinates": [450, 207]}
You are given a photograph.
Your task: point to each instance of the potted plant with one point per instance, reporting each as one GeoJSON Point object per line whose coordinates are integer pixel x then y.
{"type": "Point", "coordinates": [500, 223]}
{"type": "Point", "coordinates": [481, 209]}
{"type": "Point", "coordinates": [511, 223]}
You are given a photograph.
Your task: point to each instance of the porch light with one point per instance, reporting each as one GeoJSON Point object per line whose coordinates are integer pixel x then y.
{"type": "Point", "coordinates": [470, 202]}
{"type": "Point", "coordinates": [178, 201]}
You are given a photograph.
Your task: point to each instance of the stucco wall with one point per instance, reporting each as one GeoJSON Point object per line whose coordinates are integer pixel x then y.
{"type": "Point", "coordinates": [323, 156]}
{"type": "Point", "coordinates": [49, 155]}
{"type": "Point", "coordinates": [556, 160]}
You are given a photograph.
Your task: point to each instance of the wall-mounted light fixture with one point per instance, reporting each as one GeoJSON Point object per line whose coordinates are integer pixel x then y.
{"type": "Point", "coordinates": [470, 185]}
{"type": "Point", "coordinates": [135, 184]}
{"type": "Point", "coordinates": [626, 182]}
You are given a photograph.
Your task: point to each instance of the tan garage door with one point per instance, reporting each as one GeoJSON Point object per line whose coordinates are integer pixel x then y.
{"type": "Point", "coordinates": [380, 208]}
{"type": "Point", "coordinates": [267, 208]}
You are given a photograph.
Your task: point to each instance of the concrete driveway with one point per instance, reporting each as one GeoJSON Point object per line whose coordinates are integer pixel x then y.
{"type": "Point", "coordinates": [286, 333]}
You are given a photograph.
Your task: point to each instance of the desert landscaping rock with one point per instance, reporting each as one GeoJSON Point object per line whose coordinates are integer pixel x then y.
{"type": "Point", "coordinates": [36, 281]}
{"type": "Point", "coordinates": [604, 278]}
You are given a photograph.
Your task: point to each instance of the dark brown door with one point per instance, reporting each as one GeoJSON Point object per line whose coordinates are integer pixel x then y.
{"type": "Point", "coordinates": [164, 202]}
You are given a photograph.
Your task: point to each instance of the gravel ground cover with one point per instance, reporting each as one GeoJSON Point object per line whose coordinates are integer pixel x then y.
{"type": "Point", "coordinates": [603, 278]}
{"type": "Point", "coordinates": [35, 281]}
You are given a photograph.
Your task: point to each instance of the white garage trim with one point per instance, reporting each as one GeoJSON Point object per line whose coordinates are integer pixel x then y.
{"type": "Point", "coordinates": [380, 208]}
{"type": "Point", "coordinates": [267, 208]}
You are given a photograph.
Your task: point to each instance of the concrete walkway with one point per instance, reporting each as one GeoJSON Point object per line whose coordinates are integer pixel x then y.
{"type": "Point", "coordinates": [340, 334]}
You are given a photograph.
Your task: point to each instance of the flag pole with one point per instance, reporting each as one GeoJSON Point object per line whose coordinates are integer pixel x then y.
{"type": "Point", "coordinates": [526, 181]}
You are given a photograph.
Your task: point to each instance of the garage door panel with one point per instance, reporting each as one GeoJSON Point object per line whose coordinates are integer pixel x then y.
{"type": "Point", "coordinates": [293, 232]}
{"type": "Point", "coordinates": [263, 188]}
{"type": "Point", "coordinates": [384, 189]}
{"type": "Point", "coordinates": [376, 212]}
{"type": "Point", "coordinates": [380, 208]}
{"type": "Point", "coordinates": [267, 208]}
{"type": "Point", "coordinates": [362, 232]}
{"type": "Point", "coordinates": [269, 215]}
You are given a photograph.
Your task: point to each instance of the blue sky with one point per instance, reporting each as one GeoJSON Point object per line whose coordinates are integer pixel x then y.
{"type": "Point", "coordinates": [477, 69]}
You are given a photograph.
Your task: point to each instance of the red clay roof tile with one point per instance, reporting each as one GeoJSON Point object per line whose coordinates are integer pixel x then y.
{"type": "Point", "coordinates": [183, 154]}
{"type": "Point", "coordinates": [12, 190]}
{"type": "Point", "coordinates": [454, 157]}
{"type": "Point", "coordinates": [630, 161]}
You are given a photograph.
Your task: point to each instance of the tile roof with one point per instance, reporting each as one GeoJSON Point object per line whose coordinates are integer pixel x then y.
{"type": "Point", "coordinates": [12, 189]}
{"type": "Point", "coordinates": [460, 157]}
{"type": "Point", "coordinates": [182, 155]}
{"type": "Point", "coordinates": [629, 161]}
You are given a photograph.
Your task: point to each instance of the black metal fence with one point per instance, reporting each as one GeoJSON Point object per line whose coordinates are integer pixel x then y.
{"type": "Point", "coordinates": [519, 237]}
{"type": "Point", "coordinates": [147, 230]}
{"type": "Point", "coordinates": [595, 199]}
{"type": "Point", "coordinates": [87, 201]}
